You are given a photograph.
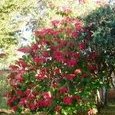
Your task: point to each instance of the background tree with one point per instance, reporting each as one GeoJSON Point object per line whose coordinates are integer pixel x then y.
{"type": "Point", "coordinates": [102, 23]}
{"type": "Point", "coordinates": [14, 15]}
{"type": "Point", "coordinates": [18, 17]}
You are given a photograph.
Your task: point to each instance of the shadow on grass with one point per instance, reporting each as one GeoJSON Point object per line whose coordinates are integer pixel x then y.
{"type": "Point", "coordinates": [109, 110]}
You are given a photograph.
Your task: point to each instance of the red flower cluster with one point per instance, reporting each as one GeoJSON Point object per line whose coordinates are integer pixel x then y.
{"type": "Point", "coordinates": [67, 100]}
{"type": "Point", "coordinates": [53, 69]}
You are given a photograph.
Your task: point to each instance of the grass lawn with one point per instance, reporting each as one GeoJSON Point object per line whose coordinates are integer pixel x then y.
{"type": "Point", "coordinates": [3, 89]}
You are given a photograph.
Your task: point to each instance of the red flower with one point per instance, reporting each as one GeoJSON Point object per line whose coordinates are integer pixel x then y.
{"type": "Point", "coordinates": [41, 76]}
{"type": "Point", "coordinates": [13, 67]}
{"type": "Point", "coordinates": [77, 71]}
{"type": "Point", "coordinates": [93, 56]}
{"type": "Point", "coordinates": [11, 100]}
{"type": "Point", "coordinates": [78, 25]}
{"type": "Point", "coordinates": [21, 63]}
{"type": "Point", "coordinates": [31, 96]}
{"type": "Point", "coordinates": [70, 76]}
{"type": "Point", "coordinates": [76, 97]}
{"type": "Point", "coordinates": [57, 71]}
{"type": "Point", "coordinates": [15, 108]}
{"type": "Point", "coordinates": [74, 34]}
{"type": "Point", "coordinates": [58, 108]}
{"type": "Point", "coordinates": [46, 54]}
{"type": "Point", "coordinates": [20, 93]}
{"type": "Point", "coordinates": [63, 90]}
{"type": "Point", "coordinates": [76, 55]}
{"type": "Point", "coordinates": [32, 106]}
{"type": "Point", "coordinates": [34, 47]}
{"type": "Point", "coordinates": [55, 22]}
{"type": "Point", "coordinates": [47, 103]}
{"type": "Point", "coordinates": [25, 49]}
{"type": "Point", "coordinates": [58, 55]}
{"type": "Point", "coordinates": [27, 92]}
{"type": "Point", "coordinates": [69, 31]}
{"type": "Point", "coordinates": [82, 46]}
{"type": "Point", "coordinates": [55, 85]}
{"type": "Point", "coordinates": [38, 60]}
{"type": "Point", "coordinates": [67, 100]}
{"type": "Point", "coordinates": [39, 103]}
{"type": "Point", "coordinates": [92, 68]}
{"type": "Point", "coordinates": [19, 78]}
{"type": "Point", "coordinates": [71, 63]}
{"type": "Point", "coordinates": [47, 95]}
{"type": "Point", "coordinates": [23, 102]}
{"type": "Point", "coordinates": [44, 103]}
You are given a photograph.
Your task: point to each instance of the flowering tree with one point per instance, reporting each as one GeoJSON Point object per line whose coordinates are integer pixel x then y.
{"type": "Point", "coordinates": [59, 73]}
{"type": "Point", "coordinates": [56, 75]}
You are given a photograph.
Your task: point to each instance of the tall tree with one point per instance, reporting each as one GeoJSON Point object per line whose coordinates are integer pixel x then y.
{"type": "Point", "coordinates": [14, 14]}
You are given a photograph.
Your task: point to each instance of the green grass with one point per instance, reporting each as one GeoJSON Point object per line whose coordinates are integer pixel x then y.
{"type": "Point", "coordinates": [109, 110]}
{"type": "Point", "coordinates": [3, 90]}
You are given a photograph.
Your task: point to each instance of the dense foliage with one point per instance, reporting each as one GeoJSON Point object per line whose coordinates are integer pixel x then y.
{"type": "Point", "coordinates": [17, 17]}
{"type": "Point", "coordinates": [103, 28]}
{"type": "Point", "coordinates": [14, 16]}
{"type": "Point", "coordinates": [69, 62]}
{"type": "Point", "coordinates": [57, 74]}
{"type": "Point", "coordinates": [9, 12]}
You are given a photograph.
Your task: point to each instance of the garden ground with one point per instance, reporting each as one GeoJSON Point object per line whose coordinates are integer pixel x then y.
{"type": "Point", "coordinates": [109, 110]}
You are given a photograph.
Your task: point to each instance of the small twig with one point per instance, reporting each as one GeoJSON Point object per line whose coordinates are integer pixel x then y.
{"type": "Point", "coordinates": [9, 112]}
